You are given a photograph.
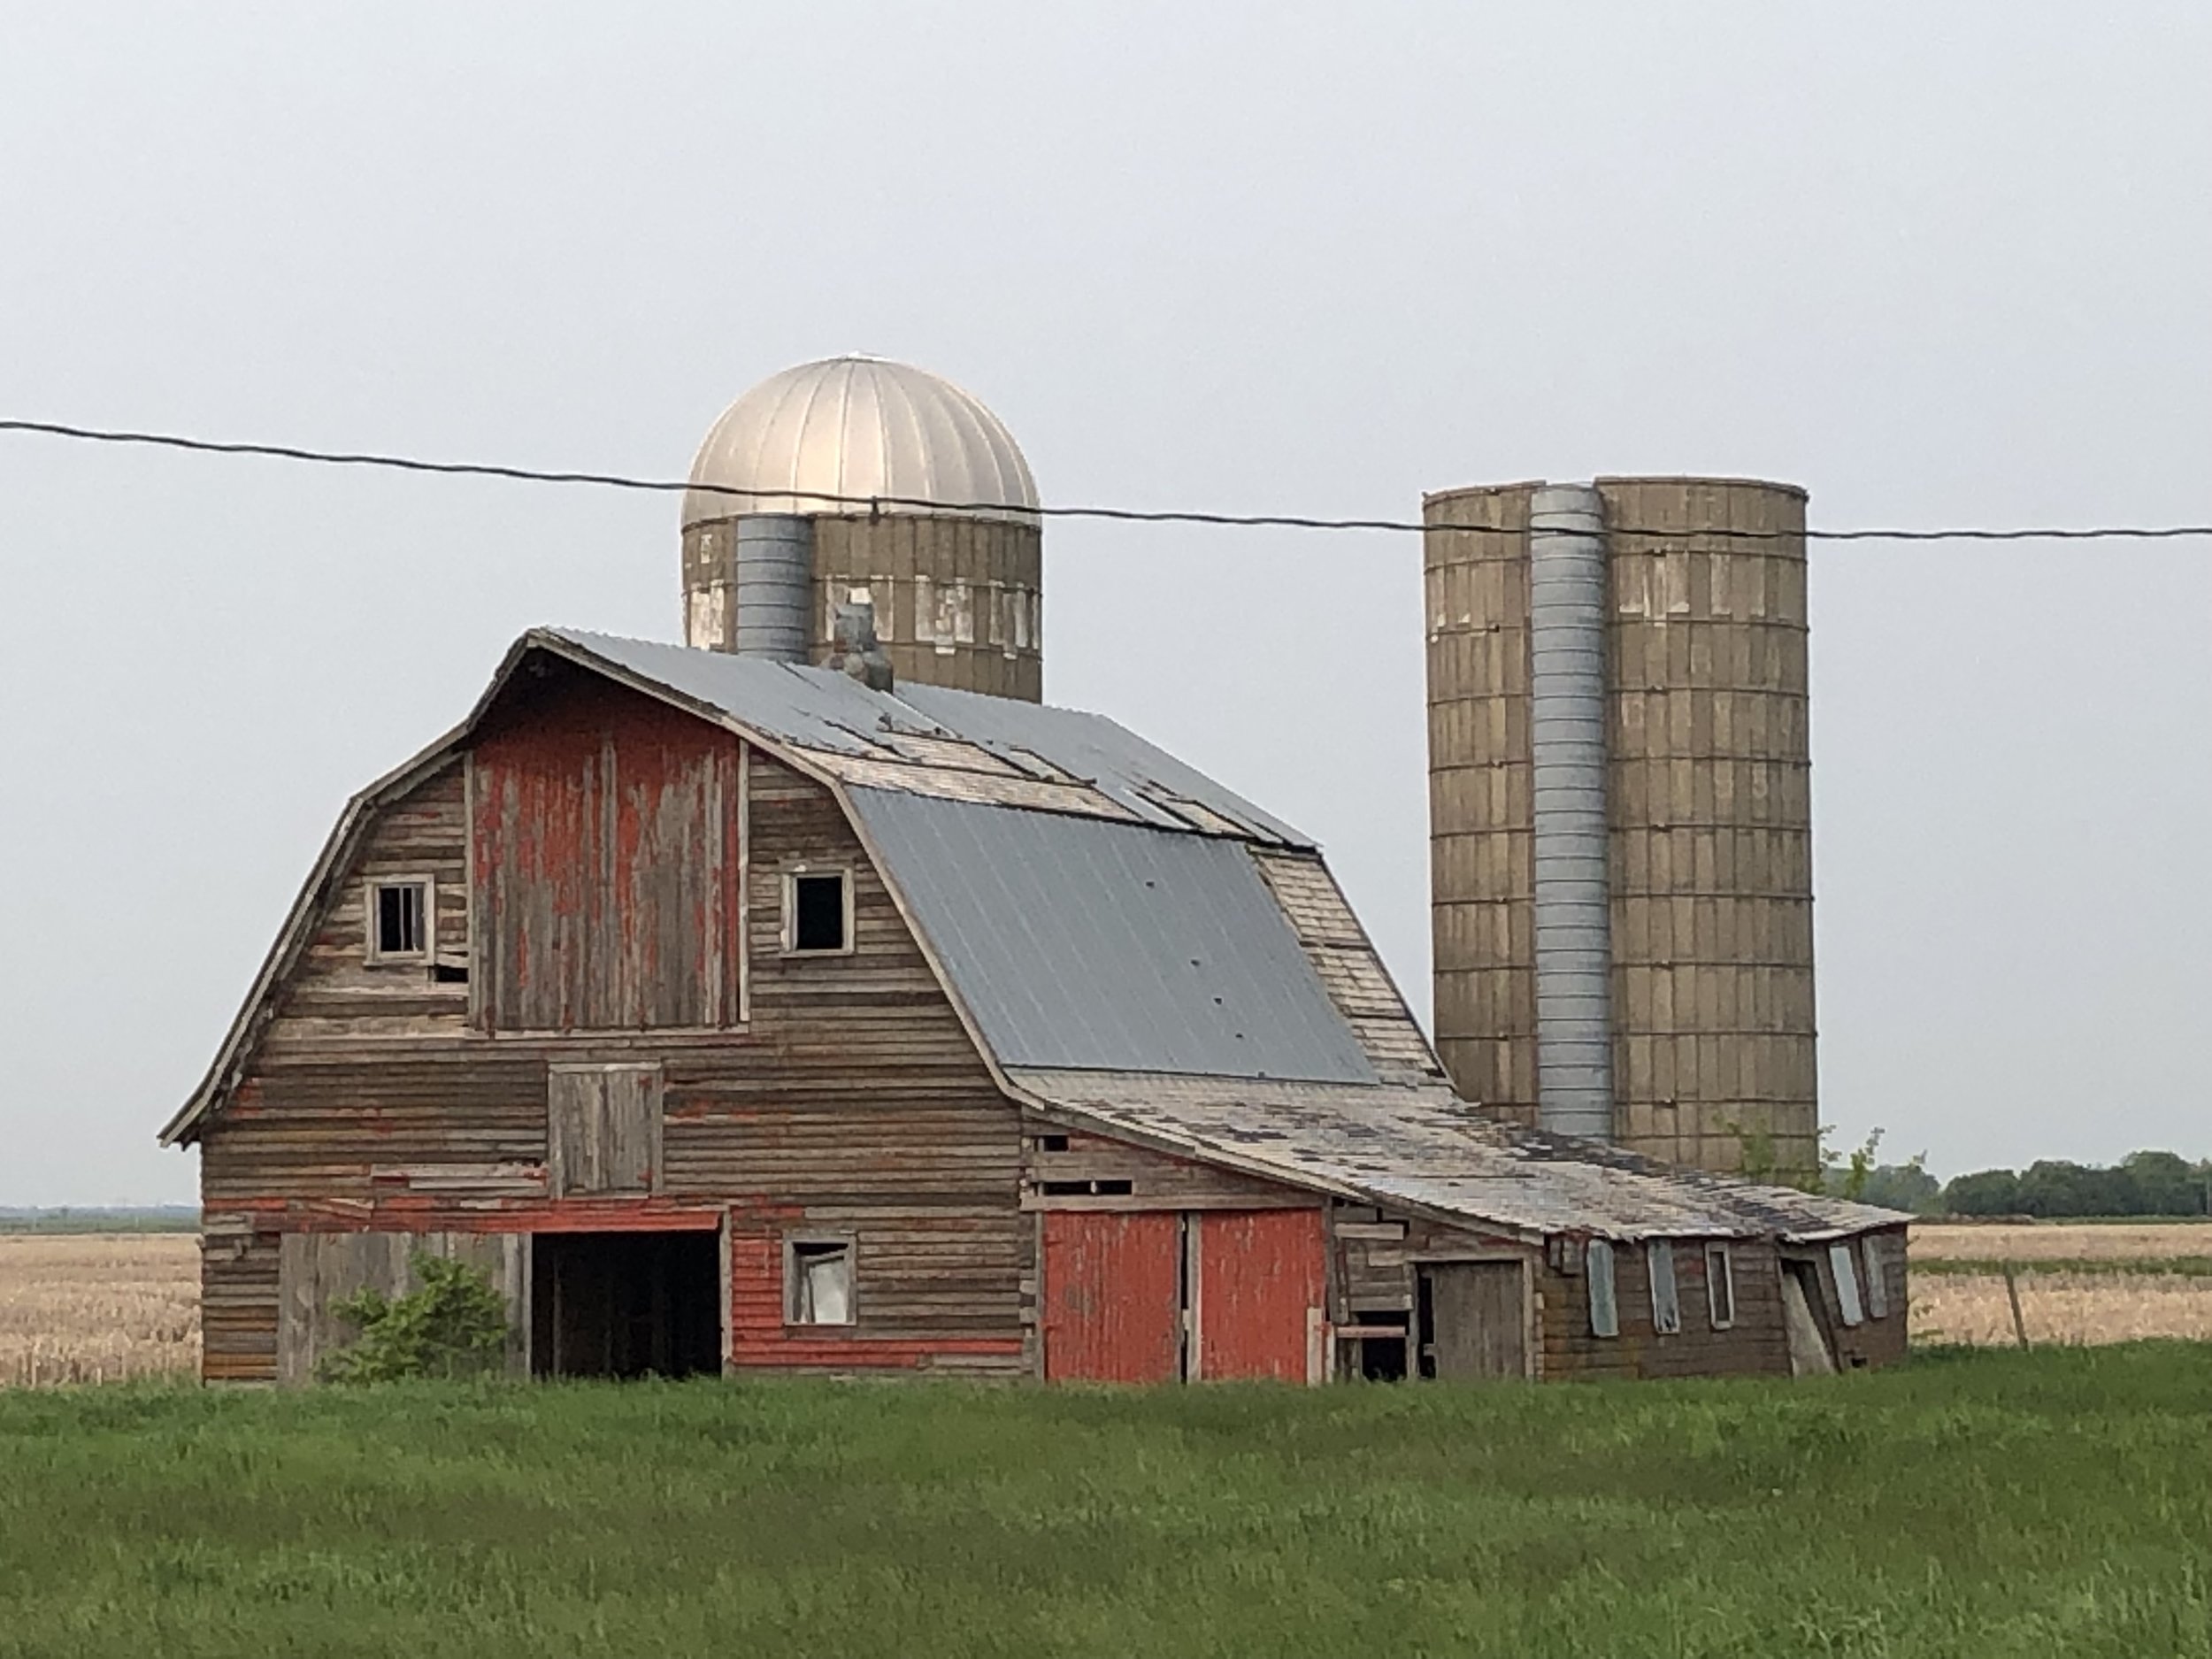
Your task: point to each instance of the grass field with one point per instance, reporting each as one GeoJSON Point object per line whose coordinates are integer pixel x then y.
{"type": "Point", "coordinates": [2052, 1503]}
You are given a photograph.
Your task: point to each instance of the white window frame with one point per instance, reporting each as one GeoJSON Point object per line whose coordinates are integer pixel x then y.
{"type": "Point", "coordinates": [790, 930]}
{"type": "Point", "coordinates": [1605, 1309]}
{"type": "Point", "coordinates": [1666, 1309]}
{"type": "Point", "coordinates": [794, 1245]}
{"type": "Point", "coordinates": [371, 904]}
{"type": "Point", "coordinates": [1720, 1273]}
{"type": "Point", "coordinates": [1846, 1278]}
{"type": "Point", "coordinates": [1877, 1272]}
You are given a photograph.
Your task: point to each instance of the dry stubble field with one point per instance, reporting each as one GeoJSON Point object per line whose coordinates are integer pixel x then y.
{"type": "Point", "coordinates": [2079, 1281]}
{"type": "Point", "coordinates": [99, 1308]}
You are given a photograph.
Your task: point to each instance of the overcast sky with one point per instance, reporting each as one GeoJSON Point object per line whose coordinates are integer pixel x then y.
{"type": "Point", "coordinates": [1942, 264]}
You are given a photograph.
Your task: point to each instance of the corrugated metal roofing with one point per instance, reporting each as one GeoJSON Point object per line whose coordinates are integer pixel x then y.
{"type": "Point", "coordinates": [1015, 746]}
{"type": "Point", "coordinates": [1076, 942]}
{"type": "Point", "coordinates": [1423, 1147]}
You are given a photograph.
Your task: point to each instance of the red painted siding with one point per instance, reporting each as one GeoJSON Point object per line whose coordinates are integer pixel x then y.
{"type": "Point", "coordinates": [1112, 1290]}
{"type": "Point", "coordinates": [605, 848]}
{"type": "Point", "coordinates": [1259, 1272]}
{"type": "Point", "coordinates": [759, 1336]}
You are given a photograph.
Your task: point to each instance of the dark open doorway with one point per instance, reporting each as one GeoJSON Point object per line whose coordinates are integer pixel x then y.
{"type": "Point", "coordinates": [625, 1304]}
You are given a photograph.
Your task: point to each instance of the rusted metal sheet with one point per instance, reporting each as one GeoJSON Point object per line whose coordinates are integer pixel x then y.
{"type": "Point", "coordinates": [605, 841]}
{"type": "Point", "coordinates": [1113, 1302]}
{"type": "Point", "coordinates": [1260, 1286]}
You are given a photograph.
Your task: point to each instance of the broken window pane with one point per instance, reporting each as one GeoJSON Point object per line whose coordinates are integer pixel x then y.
{"type": "Point", "coordinates": [817, 912]}
{"type": "Point", "coordinates": [1605, 1318]}
{"type": "Point", "coordinates": [1666, 1304]}
{"type": "Point", "coordinates": [1720, 1286]}
{"type": "Point", "coordinates": [821, 1282]}
{"type": "Point", "coordinates": [401, 929]}
{"type": "Point", "coordinates": [1846, 1283]}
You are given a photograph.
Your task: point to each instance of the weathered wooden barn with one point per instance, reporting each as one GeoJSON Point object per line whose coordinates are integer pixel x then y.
{"type": "Point", "coordinates": [735, 1015]}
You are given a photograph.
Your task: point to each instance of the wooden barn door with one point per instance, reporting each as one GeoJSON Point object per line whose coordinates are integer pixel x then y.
{"type": "Point", "coordinates": [1260, 1297]}
{"type": "Point", "coordinates": [1113, 1296]}
{"type": "Point", "coordinates": [1474, 1320]}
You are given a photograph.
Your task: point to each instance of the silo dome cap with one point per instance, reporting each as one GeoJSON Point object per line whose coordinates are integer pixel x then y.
{"type": "Point", "coordinates": [827, 439]}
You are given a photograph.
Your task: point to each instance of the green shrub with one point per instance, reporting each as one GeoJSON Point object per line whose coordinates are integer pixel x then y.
{"type": "Point", "coordinates": [453, 1324]}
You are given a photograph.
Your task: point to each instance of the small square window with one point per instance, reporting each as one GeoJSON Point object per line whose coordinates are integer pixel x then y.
{"type": "Point", "coordinates": [819, 1279]}
{"type": "Point", "coordinates": [399, 920]}
{"type": "Point", "coordinates": [817, 912]}
{"type": "Point", "coordinates": [1720, 1286]}
{"type": "Point", "coordinates": [1605, 1318]}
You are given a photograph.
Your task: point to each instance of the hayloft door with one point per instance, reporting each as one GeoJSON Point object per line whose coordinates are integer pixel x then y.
{"type": "Point", "coordinates": [1474, 1320]}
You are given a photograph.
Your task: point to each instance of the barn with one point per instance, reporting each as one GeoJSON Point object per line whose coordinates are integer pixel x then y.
{"type": "Point", "coordinates": [741, 1015]}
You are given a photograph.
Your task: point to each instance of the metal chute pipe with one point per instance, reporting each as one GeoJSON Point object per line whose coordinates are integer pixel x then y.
{"type": "Point", "coordinates": [1573, 920]}
{"type": "Point", "coordinates": [772, 579]}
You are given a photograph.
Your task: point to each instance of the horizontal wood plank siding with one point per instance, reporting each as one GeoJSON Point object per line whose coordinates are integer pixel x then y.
{"type": "Point", "coordinates": [853, 1101]}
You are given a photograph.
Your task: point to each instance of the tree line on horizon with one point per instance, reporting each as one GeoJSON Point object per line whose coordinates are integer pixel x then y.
{"type": "Point", "coordinates": [2154, 1185]}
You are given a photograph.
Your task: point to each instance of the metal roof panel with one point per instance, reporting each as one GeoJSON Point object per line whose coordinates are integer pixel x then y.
{"type": "Point", "coordinates": [1083, 943]}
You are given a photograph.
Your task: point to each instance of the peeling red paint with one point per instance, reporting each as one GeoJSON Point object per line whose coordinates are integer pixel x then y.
{"type": "Point", "coordinates": [1112, 1295]}
{"type": "Point", "coordinates": [1259, 1272]}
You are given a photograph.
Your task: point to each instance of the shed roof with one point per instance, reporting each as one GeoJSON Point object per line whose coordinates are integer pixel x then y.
{"type": "Point", "coordinates": [1420, 1148]}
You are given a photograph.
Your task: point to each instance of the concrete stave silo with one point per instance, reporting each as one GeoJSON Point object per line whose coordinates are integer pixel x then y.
{"type": "Point", "coordinates": [1707, 772]}
{"type": "Point", "coordinates": [909, 493]}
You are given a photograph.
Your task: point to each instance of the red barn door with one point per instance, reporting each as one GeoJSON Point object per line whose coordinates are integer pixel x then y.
{"type": "Point", "coordinates": [1259, 1274]}
{"type": "Point", "coordinates": [1113, 1296]}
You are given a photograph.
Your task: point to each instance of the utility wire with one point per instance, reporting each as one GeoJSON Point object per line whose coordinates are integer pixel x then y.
{"type": "Point", "coordinates": [1125, 515]}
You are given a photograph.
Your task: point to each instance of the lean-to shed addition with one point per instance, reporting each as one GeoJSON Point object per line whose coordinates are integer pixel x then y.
{"type": "Point", "coordinates": [733, 1014]}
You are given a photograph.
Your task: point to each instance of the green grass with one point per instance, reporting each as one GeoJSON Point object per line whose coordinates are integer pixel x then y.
{"type": "Point", "coordinates": [159, 1218]}
{"type": "Point", "coordinates": [2158, 1266]}
{"type": "Point", "coordinates": [2053, 1503]}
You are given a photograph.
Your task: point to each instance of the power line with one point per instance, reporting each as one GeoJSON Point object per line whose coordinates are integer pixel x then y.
{"type": "Point", "coordinates": [1124, 515]}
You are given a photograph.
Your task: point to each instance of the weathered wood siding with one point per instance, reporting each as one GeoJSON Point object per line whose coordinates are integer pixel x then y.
{"type": "Point", "coordinates": [1347, 964]}
{"type": "Point", "coordinates": [1872, 1341]}
{"type": "Point", "coordinates": [1754, 1344]}
{"type": "Point", "coordinates": [605, 852]}
{"type": "Point", "coordinates": [852, 1102]}
{"type": "Point", "coordinates": [316, 1272]}
{"type": "Point", "coordinates": [1058, 1158]}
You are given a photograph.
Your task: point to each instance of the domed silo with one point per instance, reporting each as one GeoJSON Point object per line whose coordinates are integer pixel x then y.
{"type": "Point", "coordinates": [880, 482]}
{"type": "Point", "coordinates": [1623, 666]}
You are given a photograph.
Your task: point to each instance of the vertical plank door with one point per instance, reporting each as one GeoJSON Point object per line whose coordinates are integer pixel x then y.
{"type": "Point", "coordinates": [1112, 1294]}
{"type": "Point", "coordinates": [1260, 1278]}
{"type": "Point", "coordinates": [1478, 1319]}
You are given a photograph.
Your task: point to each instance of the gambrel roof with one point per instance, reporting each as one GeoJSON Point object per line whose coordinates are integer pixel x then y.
{"type": "Point", "coordinates": [1133, 946]}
